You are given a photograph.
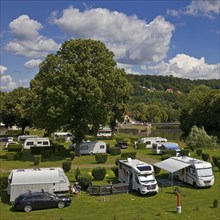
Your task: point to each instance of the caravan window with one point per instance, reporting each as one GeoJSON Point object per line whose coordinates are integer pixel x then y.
{"type": "Point", "coordinates": [84, 147]}
{"type": "Point", "coordinates": [148, 142]}
{"type": "Point", "coordinates": [39, 142]}
{"type": "Point", "coordinates": [45, 143]}
{"type": "Point", "coordinates": [102, 146]}
{"type": "Point", "coordinates": [30, 143]}
{"type": "Point", "coordinates": [144, 168]}
{"type": "Point", "coordinates": [136, 179]}
{"type": "Point", "coordinates": [192, 170]}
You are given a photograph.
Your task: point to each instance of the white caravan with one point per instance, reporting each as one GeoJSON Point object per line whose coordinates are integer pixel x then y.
{"type": "Point", "coordinates": [158, 148]}
{"type": "Point", "coordinates": [36, 142]}
{"type": "Point", "coordinates": [139, 175]}
{"type": "Point", "coordinates": [197, 172]}
{"type": "Point", "coordinates": [104, 132]}
{"type": "Point", "coordinates": [47, 179]}
{"type": "Point", "coordinates": [149, 141]}
{"type": "Point", "coordinates": [94, 147]}
{"type": "Point", "coordinates": [67, 135]}
{"type": "Point", "coordinates": [22, 138]}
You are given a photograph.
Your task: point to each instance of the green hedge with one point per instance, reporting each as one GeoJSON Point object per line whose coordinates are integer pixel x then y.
{"type": "Point", "coordinates": [170, 152]}
{"type": "Point", "coordinates": [77, 173]}
{"type": "Point", "coordinates": [165, 156]}
{"type": "Point", "coordinates": [84, 180]}
{"type": "Point", "coordinates": [115, 171]}
{"type": "Point", "coordinates": [185, 152]}
{"type": "Point", "coordinates": [131, 155]}
{"type": "Point", "coordinates": [215, 160]}
{"type": "Point", "coordinates": [205, 156]}
{"type": "Point", "coordinates": [37, 159]}
{"type": "Point", "coordinates": [11, 155]}
{"type": "Point", "coordinates": [114, 151]}
{"type": "Point", "coordinates": [66, 165]}
{"type": "Point", "coordinates": [39, 150]}
{"type": "Point", "coordinates": [101, 158]}
{"type": "Point", "coordinates": [141, 146]}
{"type": "Point", "coordinates": [3, 182]}
{"type": "Point", "coordinates": [14, 132]}
{"type": "Point", "coordinates": [72, 155]}
{"type": "Point", "coordinates": [98, 173]}
{"type": "Point", "coordinates": [46, 154]}
{"type": "Point", "coordinates": [199, 152]}
{"type": "Point", "coordinates": [14, 148]}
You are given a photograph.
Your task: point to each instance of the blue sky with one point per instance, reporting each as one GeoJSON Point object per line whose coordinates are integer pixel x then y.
{"type": "Point", "coordinates": [179, 38]}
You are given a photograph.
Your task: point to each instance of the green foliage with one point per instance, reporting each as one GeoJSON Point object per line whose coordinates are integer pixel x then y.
{"type": "Point", "coordinates": [205, 156]}
{"type": "Point", "coordinates": [84, 180]}
{"type": "Point", "coordinates": [165, 156]}
{"type": "Point", "coordinates": [199, 152]}
{"type": "Point", "coordinates": [185, 152]}
{"type": "Point", "coordinates": [156, 170]}
{"type": "Point", "coordinates": [11, 155]}
{"type": "Point", "coordinates": [37, 159]}
{"type": "Point", "coordinates": [46, 154]}
{"type": "Point", "coordinates": [3, 182]}
{"type": "Point", "coordinates": [115, 171]}
{"type": "Point", "coordinates": [170, 152]}
{"type": "Point", "coordinates": [218, 164]}
{"type": "Point", "coordinates": [101, 158]}
{"type": "Point", "coordinates": [131, 155]}
{"type": "Point", "coordinates": [14, 132]}
{"type": "Point", "coordinates": [198, 138]}
{"type": "Point", "coordinates": [39, 150]}
{"type": "Point", "coordinates": [141, 146]}
{"type": "Point", "coordinates": [60, 139]}
{"type": "Point", "coordinates": [114, 150]}
{"type": "Point", "coordinates": [99, 173]}
{"type": "Point", "coordinates": [14, 148]}
{"type": "Point", "coordinates": [215, 160]}
{"type": "Point", "coordinates": [66, 165]}
{"type": "Point", "coordinates": [72, 155]}
{"type": "Point", "coordinates": [64, 152]}
{"type": "Point", "coordinates": [215, 203]}
{"type": "Point", "coordinates": [77, 173]}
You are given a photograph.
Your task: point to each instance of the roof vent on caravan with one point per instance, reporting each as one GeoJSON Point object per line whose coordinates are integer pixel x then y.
{"type": "Point", "coordinates": [20, 170]}
{"type": "Point", "coordinates": [129, 161]}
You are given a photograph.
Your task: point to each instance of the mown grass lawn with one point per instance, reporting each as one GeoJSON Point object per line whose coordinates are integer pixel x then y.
{"type": "Point", "coordinates": [196, 204]}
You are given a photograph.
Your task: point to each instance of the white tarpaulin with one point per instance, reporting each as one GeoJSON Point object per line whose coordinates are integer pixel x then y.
{"type": "Point", "coordinates": [171, 165]}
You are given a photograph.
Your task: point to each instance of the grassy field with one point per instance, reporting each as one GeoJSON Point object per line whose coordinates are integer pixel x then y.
{"type": "Point", "coordinates": [196, 203]}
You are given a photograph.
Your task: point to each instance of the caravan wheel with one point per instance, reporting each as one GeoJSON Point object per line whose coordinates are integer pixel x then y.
{"type": "Point", "coordinates": [27, 208]}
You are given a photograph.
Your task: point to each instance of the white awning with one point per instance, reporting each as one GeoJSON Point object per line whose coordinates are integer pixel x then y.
{"type": "Point", "coordinates": [171, 165]}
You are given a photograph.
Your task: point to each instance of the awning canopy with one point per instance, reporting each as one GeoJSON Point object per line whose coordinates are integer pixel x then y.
{"type": "Point", "coordinates": [171, 165]}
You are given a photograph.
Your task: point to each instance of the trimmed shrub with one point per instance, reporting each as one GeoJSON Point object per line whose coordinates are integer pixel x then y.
{"type": "Point", "coordinates": [101, 158]}
{"type": "Point", "coordinates": [77, 173]}
{"type": "Point", "coordinates": [72, 155]}
{"type": "Point", "coordinates": [114, 150]}
{"type": "Point", "coordinates": [141, 146]}
{"type": "Point", "coordinates": [37, 159]}
{"type": "Point", "coordinates": [3, 182]}
{"type": "Point", "coordinates": [156, 170]}
{"type": "Point", "coordinates": [184, 152]}
{"type": "Point", "coordinates": [14, 148]}
{"type": "Point", "coordinates": [131, 155]}
{"type": "Point", "coordinates": [115, 171]}
{"type": "Point", "coordinates": [199, 152]}
{"type": "Point", "coordinates": [99, 173]}
{"type": "Point", "coordinates": [215, 160]}
{"type": "Point", "coordinates": [64, 152]}
{"type": "Point", "coordinates": [205, 156]}
{"type": "Point", "coordinates": [170, 152]}
{"type": "Point", "coordinates": [39, 150]}
{"type": "Point", "coordinates": [11, 155]}
{"type": "Point", "coordinates": [58, 147]}
{"type": "Point", "coordinates": [218, 164]}
{"type": "Point", "coordinates": [215, 203]}
{"type": "Point", "coordinates": [46, 154]}
{"type": "Point", "coordinates": [165, 156]}
{"type": "Point", "coordinates": [107, 148]}
{"type": "Point", "coordinates": [60, 139]}
{"type": "Point", "coordinates": [66, 165]}
{"type": "Point", "coordinates": [84, 180]}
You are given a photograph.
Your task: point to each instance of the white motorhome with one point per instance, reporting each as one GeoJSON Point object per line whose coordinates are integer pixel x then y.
{"type": "Point", "coordinates": [197, 172]}
{"type": "Point", "coordinates": [22, 138]}
{"type": "Point", "coordinates": [36, 142]}
{"type": "Point", "coordinates": [158, 148]}
{"type": "Point", "coordinates": [93, 147]}
{"type": "Point", "coordinates": [67, 135]}
{"type": "Point", "coordinates": [47, 179]}
{"type": "Point", "coordinates": [139, 175]}
{"type": "Point", "coordinates": [104, 132]}
{"type": "Point", "coordinates": [149, 141]}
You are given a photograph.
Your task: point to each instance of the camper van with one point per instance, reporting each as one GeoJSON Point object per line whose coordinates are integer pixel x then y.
{"type": "Point", "coordinates": [159, 148]}
{"type": "Point", "coordinates": [139, 175]}
{"type": "Point", "coordinates": [66, 135]}
{"type": "Point", "coordinates": [38, 179]}
{"type": "Point", "coordinates": [22, 138]}
{"type": "Point", "coordinates": [36, 142]}
{"type": "Point", "coordinates": [94, 147]}
{"type": "Point", "coordinates": [149, 141]}
{"type": "Point", "coordinates": [196, 172]}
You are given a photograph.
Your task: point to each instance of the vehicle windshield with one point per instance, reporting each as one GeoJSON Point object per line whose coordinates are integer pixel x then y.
{"type": "Point", "coordinates": [144, 168]}
{"type": "Point", "coordinates": [145, 178]}
{"type": "Point", "coordinates": [205, 172]}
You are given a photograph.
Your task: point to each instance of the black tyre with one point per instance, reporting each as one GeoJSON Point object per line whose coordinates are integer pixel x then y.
{"type": "Point", "coordinates": [195, 185]}
{"type": "Point", "coordinates": [28, 208]}
{"type": "Point", "coordinates": [60, 205]}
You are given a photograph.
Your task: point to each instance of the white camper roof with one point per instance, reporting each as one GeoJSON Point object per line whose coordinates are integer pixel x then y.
{"type": "Point", "coordinates": [92, 143]}
{"type": "Point", "coordinates": [35, 176]}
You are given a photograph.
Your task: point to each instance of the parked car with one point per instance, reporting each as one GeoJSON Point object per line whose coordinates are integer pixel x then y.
{"type": "Point", "coordinates": [40, 200]}
{"type": "Point", "coordinates": [122, 144]}
{"type": "Point", "coordinates": [11, 143]}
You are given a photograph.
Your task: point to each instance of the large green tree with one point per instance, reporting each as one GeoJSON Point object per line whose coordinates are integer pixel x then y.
{"type": "Point", "coordinates": [17, 108]}
{"type": "Point", "coordinates": [78, 86]}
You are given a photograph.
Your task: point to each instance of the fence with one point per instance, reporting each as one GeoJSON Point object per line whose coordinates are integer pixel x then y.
{"type": "Point", "coordinates": [108, 189]}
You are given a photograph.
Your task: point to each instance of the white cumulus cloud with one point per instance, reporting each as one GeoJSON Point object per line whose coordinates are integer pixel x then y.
{"type": "Point", "coordinates": [7, 83]}
{"type": "Point", "coordinates": [2, 69]}
{"type": "Point", "coordinates": [207, 8]}
{"type": "Point", "coordinates": [184, 66]}
{"type": "Point", "coordinates": [27, 40]}
{"type": "Point", "coordinates": [32, 63]}
{"type": "Point", "coordinates": [132, 40]}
